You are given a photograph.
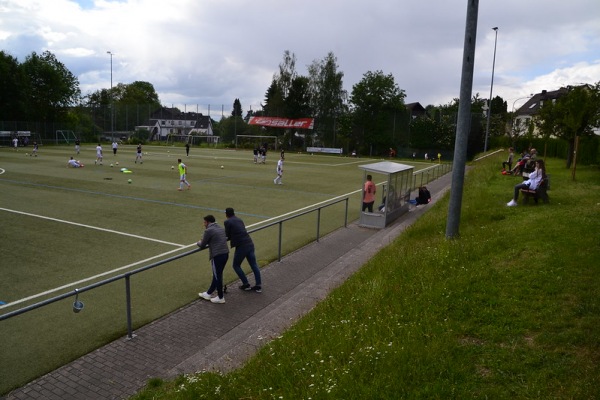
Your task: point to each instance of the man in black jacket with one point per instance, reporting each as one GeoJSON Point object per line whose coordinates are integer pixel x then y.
{"type": "Point", "coordinates": [244, 249]}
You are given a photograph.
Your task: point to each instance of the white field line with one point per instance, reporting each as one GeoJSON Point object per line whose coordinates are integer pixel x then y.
{"type": "Point", "coordinates": [92, 227]}
{"type": "Point", "coordinates": [91, 278]}
{"type": "Point", "coordinates": [68, 285]}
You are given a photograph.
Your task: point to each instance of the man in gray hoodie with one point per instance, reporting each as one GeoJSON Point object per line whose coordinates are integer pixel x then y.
{"type": "Point", "coordinates": [214, 238]}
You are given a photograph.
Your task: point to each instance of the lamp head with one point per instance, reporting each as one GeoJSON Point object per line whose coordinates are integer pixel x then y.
{"type": "Point", "coordinates": [495, 28]}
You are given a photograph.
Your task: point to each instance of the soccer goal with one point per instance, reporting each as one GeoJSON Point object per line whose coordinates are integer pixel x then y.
{"type": "Point", "coordinates": [193, 140]}
{"type": "Point", "coordinates": [64, 136]}
{"type": "Point", "coordinates": [251, 141]}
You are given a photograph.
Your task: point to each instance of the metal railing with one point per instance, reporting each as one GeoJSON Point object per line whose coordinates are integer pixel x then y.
{"type": "Point", "coordinates": [426, 175]}
{"type": "Point", "coordinates": [78, 306]}
{"type": "Point", "coordinates": [421, 177]}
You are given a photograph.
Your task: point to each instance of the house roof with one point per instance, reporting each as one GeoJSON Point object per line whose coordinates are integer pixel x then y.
{"type": "Point", "coordinates": [415, 108]}
{"type": "Point", "coordinates": [533, 105]}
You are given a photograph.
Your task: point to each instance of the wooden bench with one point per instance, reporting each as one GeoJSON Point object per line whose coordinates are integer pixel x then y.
{"type": "Point", "coordinates": [540, 193]}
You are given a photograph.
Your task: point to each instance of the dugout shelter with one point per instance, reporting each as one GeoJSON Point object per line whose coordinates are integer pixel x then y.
{"type": "Point", "coordinates": [392, 197]}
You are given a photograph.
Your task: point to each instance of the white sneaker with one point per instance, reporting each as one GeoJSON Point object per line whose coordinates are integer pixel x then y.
{"type": "Point", "coordinates": [218, 300]}
{"type": "Point", "coordinates": [511, 203]}
{"type": "Point", "coordinates": [205, 296]}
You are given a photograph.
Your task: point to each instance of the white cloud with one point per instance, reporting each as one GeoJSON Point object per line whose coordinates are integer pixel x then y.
{"type": "Point", "coordinates": [210, 52]}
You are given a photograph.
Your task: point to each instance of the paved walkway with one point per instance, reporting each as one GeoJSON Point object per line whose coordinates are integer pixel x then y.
{"type": "Point", "coordinates": [183, 342]}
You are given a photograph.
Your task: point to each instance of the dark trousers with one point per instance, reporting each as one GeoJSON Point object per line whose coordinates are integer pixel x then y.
{"type": "Point", "coordinates": [246, 252]}
{"type": "Point", "coordinates": [218, 265]}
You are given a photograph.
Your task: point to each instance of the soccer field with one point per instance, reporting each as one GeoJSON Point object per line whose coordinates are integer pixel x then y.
{"type": "Point", "coordinates": [66, 228]}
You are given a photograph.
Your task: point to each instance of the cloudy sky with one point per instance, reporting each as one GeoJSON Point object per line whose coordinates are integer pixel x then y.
{"type": "Point", "coordinates": [203, 54]}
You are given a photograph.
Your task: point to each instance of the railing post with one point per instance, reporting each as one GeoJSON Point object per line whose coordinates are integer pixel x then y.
{"type": "Point", "coordinates": [280, 240]}
{"type": "Point", "coordinates": [318, 222]}
{"type": "Point", "coordinates": [128, 300]}
{"type": "Point", "coordinates": [346, 216]}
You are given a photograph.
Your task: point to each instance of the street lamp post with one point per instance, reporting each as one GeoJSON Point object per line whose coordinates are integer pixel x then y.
{"type": "Point", "coordinates": [489, 111]}
{"type": "Point", "coordinates": [112, 131]}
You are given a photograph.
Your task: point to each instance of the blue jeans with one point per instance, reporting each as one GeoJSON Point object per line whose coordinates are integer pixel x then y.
{"type": "Point", "coordinates": [518, 188]}
{"type": "Point", "coordinates": [218, 265]}
{"type": "Point", "coordinates": [246, 252]}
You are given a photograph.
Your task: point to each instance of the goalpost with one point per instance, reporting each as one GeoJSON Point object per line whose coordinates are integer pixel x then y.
{"type": "Point", "coordinates": [255, 140]}
{"type": "Point", "coordinates": [193, 140]}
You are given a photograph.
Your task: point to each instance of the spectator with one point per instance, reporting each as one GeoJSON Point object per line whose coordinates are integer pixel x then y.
{"type": "Point", "coordinates": [238, 237]}
{"type": "Point", "coordinates": [369, 191]}
{"type": "Point", "coordinates": [424, 196]}
{"type": "Point", "coordinates": [509, 160]}
{"type": "Point", "coordinates": [532, 183]}
{"type": "Point", "coordinates": [215, 240]}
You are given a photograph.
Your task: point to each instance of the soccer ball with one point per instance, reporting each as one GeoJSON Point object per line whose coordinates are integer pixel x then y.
{"type": "Point", "coordinates": [222, 167]}
{"type": "Point", "coordinates": [172, 167]}
{"type": "Point", "coordinates": [111, 165]}
{"type": "Point", "coordinates": [117, 163]}
{"type": "Point", "coordinates": [129, 181]}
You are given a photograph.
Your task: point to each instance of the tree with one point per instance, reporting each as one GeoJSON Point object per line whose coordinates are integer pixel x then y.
{"type": "Point", "coordinates": [574, 114]}
{"type": "Point", "coordinates": [327, 96]}
{"type": "Point", "coordinates": [287, 73]}
{"type": "Point", "coordinates": [50, 88]}
{"type": "Point", "coordinates": [237, 109]}
{"type": "Point", "coordinates": [376, 100]}
{"type": "Point", "coordinates": [12, 106]}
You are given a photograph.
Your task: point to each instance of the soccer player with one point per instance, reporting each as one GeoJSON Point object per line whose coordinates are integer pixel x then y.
{"type": "Point", "coordinates": [277, 179]}
{"type": "Point", "coordinates": [138, 155]}
{"type": "Point", "coordinates": [98, 154]}
{"type": "Point", "coordinates": [35, 149]}
{"type": "Point", "coordinates": [182, 174]}
{"type": "Point", "coordinates": [115, 146]}
{"type": "Point", "coordinates": [74, 163]}
{"type": "Point", "coordinates": [77, 146]}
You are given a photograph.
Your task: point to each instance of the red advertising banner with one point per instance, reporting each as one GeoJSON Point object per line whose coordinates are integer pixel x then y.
{"type": "Point", "coordinates": [277, 122]}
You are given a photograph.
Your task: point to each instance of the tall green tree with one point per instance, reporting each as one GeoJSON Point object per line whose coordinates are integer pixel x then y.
{"type": "Point", "coordinates": [50, 88]}
{"type": "Point", "coordinates": [274, 101]}
{"type": "Point", "coordinates": [376, 102]}
{"type": "Point", "coordinates": [287, 73]}
{"type": "Point", "coordinates": [237, 109]}
{"type": "Point", "coordinates": [327, 97]}
{"type": "Point", "coordinates": [574, 114]}
{"type": "Point", "coordinates": [12, 106]}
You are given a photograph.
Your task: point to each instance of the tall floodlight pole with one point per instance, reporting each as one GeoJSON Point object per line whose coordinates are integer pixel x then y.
{"type": "Point", "coordinates": [112, 131]}
{"type": "Point", "coordinates": [489, 110]}
{"type": "Point", "coordinates": [464, 121]}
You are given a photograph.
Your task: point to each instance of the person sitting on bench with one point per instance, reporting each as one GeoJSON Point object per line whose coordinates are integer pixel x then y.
{"type": "Point", "coordinates": [532, 183]}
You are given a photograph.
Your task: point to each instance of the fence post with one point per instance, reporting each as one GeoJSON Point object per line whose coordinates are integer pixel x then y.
{"type": "Point", "coordinates": [346, 216]}
{"type": "Point", "coordinates": [280, 240]}
{"type": "Point", "coordinates": [128, 299]}
{"type": "Point", "coordinates": [318, 222]}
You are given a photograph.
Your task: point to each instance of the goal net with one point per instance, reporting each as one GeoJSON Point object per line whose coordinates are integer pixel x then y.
{"type": "Point", "coordinates": [251, 141]}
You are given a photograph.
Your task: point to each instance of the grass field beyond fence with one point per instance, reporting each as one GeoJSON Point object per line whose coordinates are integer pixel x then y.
{"type": "Point", "coordinates": [65, 228]}
{"type": "Point", "coordinates": [509, 310]}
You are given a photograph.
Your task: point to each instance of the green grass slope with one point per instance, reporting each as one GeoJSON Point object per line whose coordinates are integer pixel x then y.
{"type": "Point", "coordinates": [511, 309]}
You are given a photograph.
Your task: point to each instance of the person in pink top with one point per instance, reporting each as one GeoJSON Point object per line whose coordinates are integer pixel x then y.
{"type": "Point", "coordinates": [369, 194]}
